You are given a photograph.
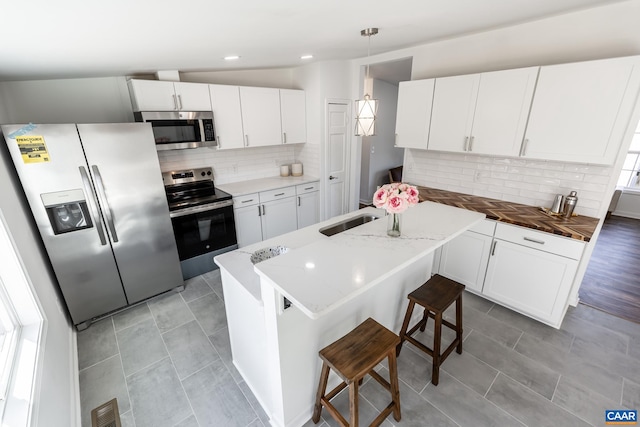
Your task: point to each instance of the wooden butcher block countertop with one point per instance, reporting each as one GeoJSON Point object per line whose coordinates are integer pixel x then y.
{"type": "Point", "coordinates": [578, 227]}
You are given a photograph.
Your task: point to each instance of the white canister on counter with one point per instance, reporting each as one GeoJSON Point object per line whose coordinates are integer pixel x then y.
{"type": "Point", "coordinates": [296, 169]}
{"type": "Point", "coordinates": [284, 170]}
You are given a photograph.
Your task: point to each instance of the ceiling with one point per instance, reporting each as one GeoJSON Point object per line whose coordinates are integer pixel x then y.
{"type": "Point", "coordinates": [41, 39]}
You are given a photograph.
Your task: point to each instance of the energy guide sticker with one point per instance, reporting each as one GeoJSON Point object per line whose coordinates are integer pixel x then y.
{"type": "Point", "coordinates": [32, 149]}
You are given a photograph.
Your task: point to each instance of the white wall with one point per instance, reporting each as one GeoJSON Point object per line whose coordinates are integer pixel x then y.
{"type": "Point", "coordinates": [378, 151]}
{"type": "Point", "coordinates": [55, 395]}
{"type": "Point", "coordinates": [90, 100]}
{"type": "Point", "coordinates": [628, 205]}
{"type": "Point", "coordinates": [278, 77]}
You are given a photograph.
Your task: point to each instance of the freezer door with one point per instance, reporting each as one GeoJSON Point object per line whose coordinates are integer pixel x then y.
{"type": "Point", "coordinates": [53, 172]}
{"type": "Point", "coordinates": [124, 166]}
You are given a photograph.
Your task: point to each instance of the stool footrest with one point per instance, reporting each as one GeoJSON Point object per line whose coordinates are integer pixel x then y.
{"type": "Point", "coordinates": [384, 383]}
{"type": "Point", "coordinates": [336, 390]}
{"type": "Point", "coordinates": [383, 415]}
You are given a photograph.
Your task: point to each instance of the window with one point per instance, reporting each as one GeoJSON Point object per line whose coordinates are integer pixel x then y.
{"type": "Point", "coordinates": [630, 174]}
{"type": "Point", "coordinates": [21, 331]}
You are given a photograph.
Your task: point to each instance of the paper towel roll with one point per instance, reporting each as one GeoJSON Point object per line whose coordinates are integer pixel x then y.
{"type": "Point", "coordinates": [296, 169]}
{"type": "Point", "coordinates": [284, 170]}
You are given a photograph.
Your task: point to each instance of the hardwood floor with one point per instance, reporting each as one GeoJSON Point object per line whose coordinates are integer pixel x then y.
{"type": "Point", "coordinates": [612, 280]}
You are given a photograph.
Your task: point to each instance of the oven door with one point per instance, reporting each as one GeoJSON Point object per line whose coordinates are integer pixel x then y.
{"type": "Point", "coordinates": [203, 229]}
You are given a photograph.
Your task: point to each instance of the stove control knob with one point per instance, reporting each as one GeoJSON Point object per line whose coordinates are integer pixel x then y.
{"type": "Point", "coordinates": [202, 173]}
{"type": "Point", "coordinates": [208, 173]}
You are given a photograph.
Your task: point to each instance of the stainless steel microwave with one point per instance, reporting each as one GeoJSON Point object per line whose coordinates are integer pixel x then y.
{"type": "Point", "coordinates": [174, 130]}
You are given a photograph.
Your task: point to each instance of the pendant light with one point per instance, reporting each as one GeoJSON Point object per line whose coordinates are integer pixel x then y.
{"type": "Point", "coordinates": [367, 107]}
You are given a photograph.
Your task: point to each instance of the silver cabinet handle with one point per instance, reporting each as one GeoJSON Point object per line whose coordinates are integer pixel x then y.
{"type": "Point", "coordinates": [91, 198]}
{"type": "Point", "coordinates": [247, 201]}
{"type": "Point", "coordinates": [278, 195]}
{"type": "Point", "coordinates": [308, 188]}
{"type": "Point", "coordinates": [218, 141]}
{"type": "Point", "coordinates": [246, 140]}
{"type": "Point", "coordinates": [179, 102]}
{"type": "Point", "coordinates": [529, 239]}
{"type": "Point", "coordinates": [471, 143]}
{"type": "Point", "coordinates": [466, 143]}
{"type": "Point", "coordinates": [175, 103]}
{"type": "Point", "coordinates": [259, 211]}
{"type": "Point", "coordinates": [298, 200]}
{"type": "Point", "coordinates": [102, 195]}
{"type": "Point", "coordinates": [333, 177]}
{"type": "Point", "coordinates": [284, 137]}
{"type": "Point", "coordinates": [263, 211]}
{"type": "Point", "coordinates": [523, 150]}
{"type": "Point", "coordinates": [493, 249]}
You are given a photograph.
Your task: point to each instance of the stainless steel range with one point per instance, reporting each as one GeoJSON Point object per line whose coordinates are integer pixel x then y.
{"type": "Point", "coordinates": [202, 219]}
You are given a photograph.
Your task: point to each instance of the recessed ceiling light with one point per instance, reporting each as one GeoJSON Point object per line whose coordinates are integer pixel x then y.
{"type": "Point", "coordinates": [306, 57]}
{"type": "Point", "coordinates": [231, 57]}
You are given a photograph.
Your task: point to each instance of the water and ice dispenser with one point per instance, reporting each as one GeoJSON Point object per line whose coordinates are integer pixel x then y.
{"type": "Point", "coordinates": [67, 211]}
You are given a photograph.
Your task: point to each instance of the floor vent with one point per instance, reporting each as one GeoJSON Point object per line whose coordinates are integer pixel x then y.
{"type": "Point", "coordinates": [106, 415]}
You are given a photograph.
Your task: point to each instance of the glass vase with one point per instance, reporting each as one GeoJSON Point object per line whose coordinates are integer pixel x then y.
{"type": "Point", "coordinates": [393, 225]}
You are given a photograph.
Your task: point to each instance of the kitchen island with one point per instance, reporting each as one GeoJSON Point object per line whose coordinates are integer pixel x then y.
{"type": "Point", "coordinates": [282, 311]}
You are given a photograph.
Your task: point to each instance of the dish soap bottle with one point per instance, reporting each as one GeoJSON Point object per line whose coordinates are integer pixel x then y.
{"type": "Point", "coordinates": [570, 203]}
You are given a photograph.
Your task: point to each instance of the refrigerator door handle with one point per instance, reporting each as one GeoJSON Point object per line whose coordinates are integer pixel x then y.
{"type": "Point", "coordinates": [105, 201]}
{"type": "Point", "coordinates": [91, 198]}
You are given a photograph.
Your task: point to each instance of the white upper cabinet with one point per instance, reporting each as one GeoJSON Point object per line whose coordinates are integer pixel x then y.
{"type": "Point", "coordinates": [414, 113]}
{"type": "Point", "coordinates": [482, 113]}
{"type": "Point", "coordinates": [293, 116]}
{"type": "Point", "coordinates": [454, 101]}
{"type": "Point", "coordinates": [261, 116]}
{"type": "Point", "coordinates": [227, 116]}
{"type": "Point", "coordinates": [156, 95]}
{"type": "Point", "coordinates": [580, 111]}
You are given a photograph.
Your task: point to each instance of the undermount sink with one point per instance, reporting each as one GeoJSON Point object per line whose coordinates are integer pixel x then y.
{"type": "Point", "coordinates": [347, 224]}
{"type": "Point", "coordinates": [266, 253]}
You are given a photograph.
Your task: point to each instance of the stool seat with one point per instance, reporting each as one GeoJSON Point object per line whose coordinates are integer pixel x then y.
{"type": "Point", "coordinates": [352, 357]}
{"type": "Point", "coordinates": [435, 296]}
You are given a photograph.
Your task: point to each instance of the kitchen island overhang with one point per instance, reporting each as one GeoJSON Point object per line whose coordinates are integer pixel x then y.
{"type": "Point", "coordinates": [333, 283]}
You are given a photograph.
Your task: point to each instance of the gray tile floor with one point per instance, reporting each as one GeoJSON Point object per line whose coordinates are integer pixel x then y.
{"type": "Point", "coordinates": [168, 362]}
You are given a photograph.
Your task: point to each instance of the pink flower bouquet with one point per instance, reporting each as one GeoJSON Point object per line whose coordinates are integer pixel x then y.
{"type": "Point", "coordinates": [395, 197]}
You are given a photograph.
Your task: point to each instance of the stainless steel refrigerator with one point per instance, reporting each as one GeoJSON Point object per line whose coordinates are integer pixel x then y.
{"type": "Point", "coordinates": [97, 196]}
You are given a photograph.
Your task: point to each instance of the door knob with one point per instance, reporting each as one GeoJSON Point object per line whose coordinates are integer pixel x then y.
{"type": "Point", "coordinates": [333, 177]}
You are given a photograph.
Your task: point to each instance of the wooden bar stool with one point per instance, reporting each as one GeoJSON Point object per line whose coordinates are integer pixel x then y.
{"type": "Point", "coordinates": [352, 357]}
{"type": "Point", "coordinates": [435, 295]}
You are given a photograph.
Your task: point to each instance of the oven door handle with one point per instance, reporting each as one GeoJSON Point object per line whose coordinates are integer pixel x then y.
{"type": "Point", "coordinates": [198, 209]}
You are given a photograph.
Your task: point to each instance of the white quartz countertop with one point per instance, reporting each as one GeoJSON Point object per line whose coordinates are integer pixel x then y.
{"type": "Point", "coordinates": [321, 273]}
{"type": "Point", "coordinates": [264, 184]}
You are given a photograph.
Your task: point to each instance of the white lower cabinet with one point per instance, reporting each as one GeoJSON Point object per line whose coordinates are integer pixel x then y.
{"type": "Point", "coordinates": [263, 215]}
{"type": "Point", "coordinates": [308, 208]}
{"type": "Point", "coordinates": [528, 271]}
{"type": "Point", "coordinates": [465, 258]}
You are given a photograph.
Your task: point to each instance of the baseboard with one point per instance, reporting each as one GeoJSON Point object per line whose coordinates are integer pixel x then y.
{"type": "Point", "coordinates": [76, 375]}
{"type": "Point", "coordinates": [626, 214]}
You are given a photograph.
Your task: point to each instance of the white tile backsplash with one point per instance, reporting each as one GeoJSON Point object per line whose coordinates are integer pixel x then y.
{"type": "Point", "coordinates": [530, 182]}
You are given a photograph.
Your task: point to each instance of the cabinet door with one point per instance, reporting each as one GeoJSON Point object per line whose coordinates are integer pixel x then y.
{"type": "Point", "coordinates": [580, 110]}
{"type": "Point", "coordinates": [454, 101]}
{"type": "Point", "coordinates": [279, 217]}
{"type": "Point", "coordinates": [464, 259]}
{"type": "Point", "coordinates": [152, 95]}
{"type": "Point", "coordinates": [294, 117]}
{"type": "Point", "coordinates": [227, 116]}
{"type": "Point", "coordinates": [261, 116]}
{"type": "Point", "coordinates": [414, 113]}
{"type": "Point", "coordinates": [192, 96]}
{"type": "Point", "coordinates": [501, 111]}
{"type": "Point", "coordinates": [248, 225]}
{"type": "Point", "coordinates": [308, 208]}
{"type": "Point", "coordinates": [530, 281]}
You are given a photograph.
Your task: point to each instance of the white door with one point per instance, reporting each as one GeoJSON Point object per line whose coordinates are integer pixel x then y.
{"type": "Point", "coordinates": [338, 137]}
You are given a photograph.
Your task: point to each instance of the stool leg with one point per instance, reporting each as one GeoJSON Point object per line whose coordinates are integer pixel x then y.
{"type": "Point", "coordinates": [437, 332]}
{"type": "Point", "coordinates": [353, 403]}
{"type": "Point", "coordinates": [393, 381]}
{"type": "Point", "coordinates": [459, 324]}
{"type": "Point", "coordinates": [322, 386]}
{"type": "Point", "coordinates": [405, 325]}
{"type": "Point", "coordinates": [425, 319]}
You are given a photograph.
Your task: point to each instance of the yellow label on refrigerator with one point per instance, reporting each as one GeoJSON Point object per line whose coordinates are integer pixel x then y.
{"type": "Point", "coordinates": [33, 149]}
